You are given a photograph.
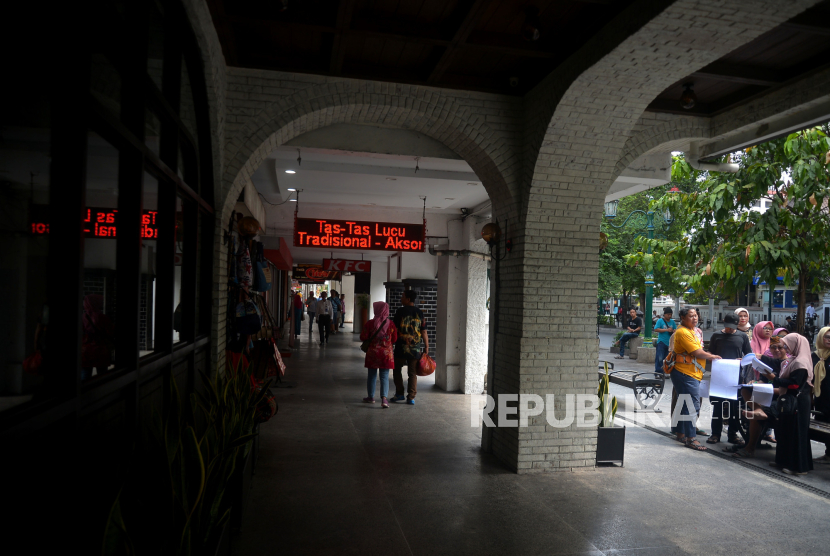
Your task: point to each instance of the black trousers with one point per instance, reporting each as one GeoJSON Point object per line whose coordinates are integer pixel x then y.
{"type": "Point", "coordinates": [725, 410]}
{"type": "Point", "coordinates": [323, 325]}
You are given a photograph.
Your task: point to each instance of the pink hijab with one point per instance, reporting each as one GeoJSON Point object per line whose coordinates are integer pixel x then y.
{"type": "Point", "coordinates": [760, 345]}
{"type": "Point", "coordinates": [381, 319]}
{"type": "Point", "coordinates": [800, 356]}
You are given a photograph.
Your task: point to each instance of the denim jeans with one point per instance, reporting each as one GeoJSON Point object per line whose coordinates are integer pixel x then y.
{"type": "Point", "coordinates": [624, 340]}
{"type": "Point", "coordinates": [384, 382]}
{"type": "Point", "coordinates": [685, 384]}
{"type": "Point", "coordinates": [661, 351]}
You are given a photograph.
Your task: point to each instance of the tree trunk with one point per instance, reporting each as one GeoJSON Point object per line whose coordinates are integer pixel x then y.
{"type": "Point", "coordinates": [802, 299]}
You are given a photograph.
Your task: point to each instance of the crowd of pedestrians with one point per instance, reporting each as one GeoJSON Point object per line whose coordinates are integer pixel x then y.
{"type": "Point", "coordinates": [798, 375]}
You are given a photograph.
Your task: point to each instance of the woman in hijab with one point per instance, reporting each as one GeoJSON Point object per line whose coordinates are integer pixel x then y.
{"type": "Point", "coordinates": [821, 383]}
{"type": "Point", "coordinates": [743, 322]}
{"type": "Point", "coordinates": [381, 335]}
{"type": "Point", "coordinates": [793, 454]}
{"type": "Point", "coordinates": [780, 332]}
{"type": "Point", "coordinates": [759, 339]}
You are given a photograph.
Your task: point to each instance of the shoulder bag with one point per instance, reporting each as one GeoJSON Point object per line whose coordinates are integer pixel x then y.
{"type": "Point", "coordinates": [365, 345]}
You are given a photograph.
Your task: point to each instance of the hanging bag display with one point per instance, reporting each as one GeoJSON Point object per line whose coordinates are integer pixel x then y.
{"type": "Point", "coordinates": [248, 318]}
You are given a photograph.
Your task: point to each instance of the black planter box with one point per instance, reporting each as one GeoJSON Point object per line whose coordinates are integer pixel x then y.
{"type": "Point", "coordinates": [610, 445]}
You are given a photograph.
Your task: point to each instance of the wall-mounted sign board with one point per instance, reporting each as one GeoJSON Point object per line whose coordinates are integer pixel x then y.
{"type": "Point", "coordinates": [314, 273]}
{"type": "Point", "coordinates": [347, 266]}
{"type": "Point", "coordinates": [351, 234]}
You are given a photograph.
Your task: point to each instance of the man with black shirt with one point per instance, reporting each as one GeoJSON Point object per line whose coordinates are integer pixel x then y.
{"type": "Point", "coordinates": [729, 343]}
{"type": "Point", "coordinates": [635, 324]}
{"type": "Point", "coordinates": [412, 343]}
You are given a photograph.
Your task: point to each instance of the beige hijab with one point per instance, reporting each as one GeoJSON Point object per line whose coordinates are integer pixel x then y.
{"type": "Point", "coordinates": [800, 356]}
{"type": "Point", "coordinates": [748, 329]}
{"type": "Point", "coordinates": [819, 372]}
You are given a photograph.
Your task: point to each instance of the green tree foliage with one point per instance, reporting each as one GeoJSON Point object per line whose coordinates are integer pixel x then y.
{"type": "Point", "coordinates": [619, 276]}
{"type": "Point", "coordinates": [728, 243]}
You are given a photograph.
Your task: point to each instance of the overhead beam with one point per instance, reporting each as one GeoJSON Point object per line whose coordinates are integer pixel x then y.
{"type": "Point", "coordinates": [338, 47]}
{"type": "Point", "coordinates": [736, 73]}
{"type": "Point", "coordinates": [225, 32]}
{"type": "Point", "coordinates": [468, 24]}
{"type": "Point", "coordinates": [767, 131]}
{"type": "Point", "coordinates": [806, 27]}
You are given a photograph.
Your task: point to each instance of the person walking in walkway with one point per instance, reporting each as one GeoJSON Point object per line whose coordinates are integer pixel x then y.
{"type": "Point", "coordinates": [686, 376]}
{"type": "Point", "coordinates": [342, 310]}
{"type": "Point", "coordinates": [311, 309]}
{"type": "Point", "coordinates": [665, 327]}
{"type": "Point", "coordinates": [381, 333]}
{"type": "Point", "coordinates": [298, 314]}
{"type": "Point", "coordinates": [635, 324]}
{"type": "Point", "coordinates": [324, 312]}
{"type": "Point", "coordinates": [412, 343]}
{"type": "Point", "coordinates": [728, 343]}
{"type": "Point", "coordinates": [335, 305]}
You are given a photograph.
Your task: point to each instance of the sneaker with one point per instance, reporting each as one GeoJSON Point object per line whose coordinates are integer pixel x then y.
{"type": "Point", "coordinates": [384, 403]}
{"type": "Point", "coordinates": [790, 472]}
{"type": "Point", "coordinates": [410, 402]}
{"type": "Point", "coordinates": [397, 399]}
{"type": "Point", "coordinates": [370, 400]}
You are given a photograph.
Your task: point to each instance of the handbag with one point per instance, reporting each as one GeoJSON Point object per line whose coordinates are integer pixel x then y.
{"type": "Point", "coordinates": [425, 366]}
{"type": "Point", "coordinates": [787, 404]}
{"type": "Point", "coordinates": [365, 345]}
{"type": "Point", "coordinates": [248, 318]}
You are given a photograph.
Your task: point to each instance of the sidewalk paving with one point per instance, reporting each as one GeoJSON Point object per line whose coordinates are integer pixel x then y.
{"type": "Point", "coordinates": [819, 478]}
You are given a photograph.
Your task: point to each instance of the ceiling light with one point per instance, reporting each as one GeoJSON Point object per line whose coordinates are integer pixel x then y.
{"type": "Point", "coordinates": [471, 183]}
{"type": "Point", "coordinates": [290, 189]}
{"type": "Point", "coordinates": [449, 198]}
{"type": "Point", "coordinates": [290, 172]}
{"type": "Point", "coordinates": [293, 200]}
{"type": "Point", "coordinates": [392, 179]}
{"type": "Point", "coordinates": [688, 99]}
{"type": "Point", "coordinates": [531, 27]}
{"type": "Point", "coordinates": [372, 204]}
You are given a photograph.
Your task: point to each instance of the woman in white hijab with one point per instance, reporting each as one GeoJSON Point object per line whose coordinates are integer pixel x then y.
{"type": "Point", "coordinates": [743, 322]}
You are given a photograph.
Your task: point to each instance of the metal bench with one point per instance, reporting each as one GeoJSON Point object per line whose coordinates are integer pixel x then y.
{"type": "Point", "coordinates": [648, 387]}
{"type": "Point", "coordinates": [819, 430]}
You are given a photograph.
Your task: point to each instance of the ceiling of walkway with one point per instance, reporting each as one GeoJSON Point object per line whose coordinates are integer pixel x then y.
{"type": "Point", "coordinates": [484, 45]}
{"type": "Point", "coordinates": [465, 44]}
{"type": "Point", "coordinates": [370, 179]}
{"type": "Point", "coordinates": [790, 51]}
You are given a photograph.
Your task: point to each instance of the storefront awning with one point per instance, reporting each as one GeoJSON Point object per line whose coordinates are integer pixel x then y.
{"type": "Point", "coordinates": [281, 257]}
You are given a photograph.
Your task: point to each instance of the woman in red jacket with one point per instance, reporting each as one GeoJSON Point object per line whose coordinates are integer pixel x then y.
{"type": "Point", "coordinates": [382, 335]}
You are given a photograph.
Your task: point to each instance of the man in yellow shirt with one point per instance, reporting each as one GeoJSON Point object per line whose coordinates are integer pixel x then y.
{"type": "Point", "coordinates": [686, 376]}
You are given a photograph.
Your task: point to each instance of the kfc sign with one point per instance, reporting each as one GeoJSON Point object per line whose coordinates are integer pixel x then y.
{"type": "Point", "coordinates": [347, 266]}
{"type": "Point", "coordinates": [350, 234]}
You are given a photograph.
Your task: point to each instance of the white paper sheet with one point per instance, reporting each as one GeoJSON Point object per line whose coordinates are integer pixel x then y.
{"type": "Point", "coordinates": [762, 394]}
{"type": "Point", "coordinates": [704, 388]}
{"type": "Point", "coordinates": [757, 364]}
{"type": "Point", "coordinates": [724, 381]}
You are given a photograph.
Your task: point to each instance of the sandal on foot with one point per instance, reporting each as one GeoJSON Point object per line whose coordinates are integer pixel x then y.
{"type": "Point", "coordinates": [769, 439]}
{"type": "Point", "coordinates": [695, 445]}
{"type": "Point", "coordinates": [731, 449]}
{"type": "Point", "coordinates": [680, 438]}
{"type": "Point", "coordinates": [619, 357]}
{"type": "Point", "coordinates": [743, 454]}
{"type": "Point", "coordinates": [713, 440]}
{"type": "Point", "coordinates": [737, 442]}
{"type": "Point", "coordinates": [701, 432]}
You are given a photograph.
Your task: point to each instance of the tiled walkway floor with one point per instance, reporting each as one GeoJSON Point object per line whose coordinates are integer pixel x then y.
{"type": "Point", "coordinates": [337, 476]}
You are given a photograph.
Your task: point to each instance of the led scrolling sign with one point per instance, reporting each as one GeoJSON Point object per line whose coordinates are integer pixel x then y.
{"type": "Point", "coordinates": [101, 222]}
{"type": "Point", "coordinates": [350, 234]}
